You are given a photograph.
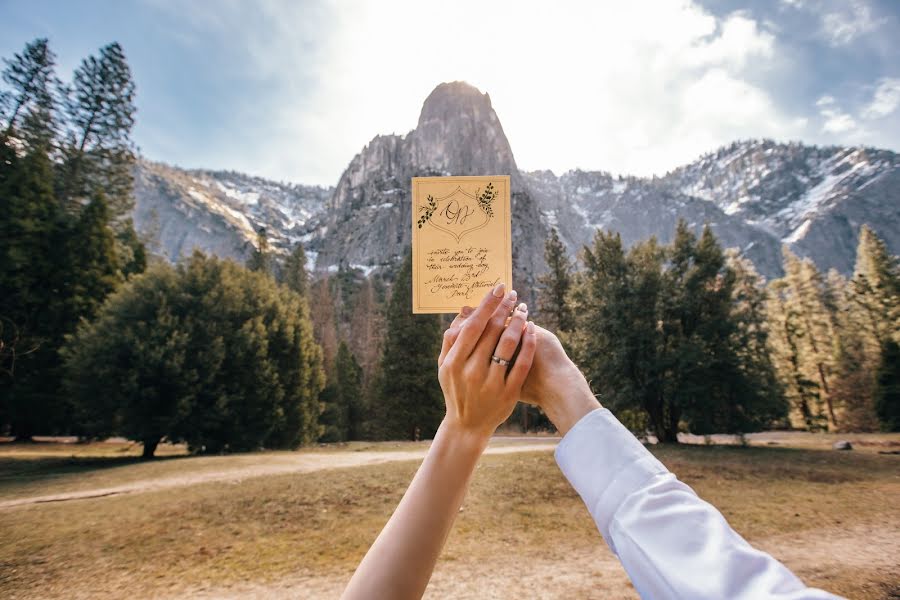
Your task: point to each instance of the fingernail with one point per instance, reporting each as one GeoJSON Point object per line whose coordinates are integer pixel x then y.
{"type": "Point", "coordinates": [512, 295]}
{"type": "Point", "coordinates": [466, 311]}
{"type": "Point", "coordinates": [523, 307]}
{"type": "Point", "coordinates": [530, 327]}
{"type": "Point", "coordinates": [498, 290]}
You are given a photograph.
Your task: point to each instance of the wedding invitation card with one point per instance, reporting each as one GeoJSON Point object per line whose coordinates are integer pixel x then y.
{"type": "Point", "coordinates": [461, 244]}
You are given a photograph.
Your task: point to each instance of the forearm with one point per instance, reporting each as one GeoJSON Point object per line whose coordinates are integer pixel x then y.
{"type": "Point", "coordinates": [671, 543]}
{"type": "Point", "coordinates": [400, 562]}
{"type": "Point", "coordinates": [568, 399]}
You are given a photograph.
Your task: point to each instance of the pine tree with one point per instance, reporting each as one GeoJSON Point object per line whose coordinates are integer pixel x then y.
{"type": "Point", "coordinates": [261, 257]}
{"type": "Point", "coordinates": [411, 404]}
{"type": "Point", "coordinates": [809, 300]}
{"type": "Point", "coordinates": [209, 353]}
{"type": "Point", "coordinates": [92, 268]}
{"type": "Point", "coordinates": [553, 293]}
{"type": "Point", "coordinates": [30, 76]}
{"type": "Point", "coordinates": [294, 273]}
{"type": "Point", "coordinates": [349, 386]}
{"type": "Point", "coordinates": [31, 304]}
{"type": "Point", "coordinates": [98, 155]}
{"type": "Point", "coordinates": [875, 291]}
{"type": "Point", "coordinates": [676, 334]}
{"type": "Point", "coordinates": [887, 396]}
{"type": "Point", "coordinates": [786, 326]}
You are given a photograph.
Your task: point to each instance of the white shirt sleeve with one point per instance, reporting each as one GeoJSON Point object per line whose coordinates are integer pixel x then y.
{"type": "Point", "coordinates": [671, 543]}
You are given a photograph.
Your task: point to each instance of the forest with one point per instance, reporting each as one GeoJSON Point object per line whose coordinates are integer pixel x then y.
{"type": "Point", "coordinates": [99, 337]}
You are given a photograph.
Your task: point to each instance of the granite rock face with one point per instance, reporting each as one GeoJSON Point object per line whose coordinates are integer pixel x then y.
{"type": "Point", "coordinates": [756, 195]}
{"type": "Point", "coordinates": [368, 220]}
{"type": "Point", "coordinates": [219, 212]}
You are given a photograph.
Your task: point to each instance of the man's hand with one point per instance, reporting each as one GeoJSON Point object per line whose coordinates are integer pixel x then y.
{"type": "Point", "coordinates": [556, 384]}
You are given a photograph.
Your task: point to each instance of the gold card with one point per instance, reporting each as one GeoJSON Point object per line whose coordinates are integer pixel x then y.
{"type": "Point", "coordinates": [461, 243]}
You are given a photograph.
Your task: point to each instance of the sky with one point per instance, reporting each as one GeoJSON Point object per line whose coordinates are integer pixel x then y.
{"type": "Point", "coordinates": [292, 90]}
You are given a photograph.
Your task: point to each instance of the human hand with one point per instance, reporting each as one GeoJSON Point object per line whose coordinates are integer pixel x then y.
{"type": "Point", "coordinates": [480, 392]}
{"type": "Point", "coordinates": [556, 384]}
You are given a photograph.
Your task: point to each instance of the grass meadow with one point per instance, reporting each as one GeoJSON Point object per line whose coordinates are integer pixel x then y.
{"type": "Point", "coordinates": [295, 524]}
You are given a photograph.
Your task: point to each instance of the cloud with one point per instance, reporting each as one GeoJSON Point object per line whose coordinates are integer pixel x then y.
{"type": "Point", "coordinates": [848, 22]}
{"type": "Point", "coordinates": [885, 100]}
{"type": "Point", "coordinates": [835, 119]}
{"type": "Point", "coordinates": [636, 87]}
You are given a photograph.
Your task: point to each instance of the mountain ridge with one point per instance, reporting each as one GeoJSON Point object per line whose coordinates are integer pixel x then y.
{"type": "Point", "coordinates": [755, 194]}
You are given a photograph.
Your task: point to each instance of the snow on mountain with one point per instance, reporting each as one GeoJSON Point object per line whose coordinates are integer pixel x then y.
{"type": "Point", "coordinates": [220, 212]}
{"type": "Point", "coordinates": [756, 195]}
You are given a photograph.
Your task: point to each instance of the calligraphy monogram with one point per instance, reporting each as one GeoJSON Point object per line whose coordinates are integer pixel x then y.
{"type": "Point", "coordinates": [459, 212]}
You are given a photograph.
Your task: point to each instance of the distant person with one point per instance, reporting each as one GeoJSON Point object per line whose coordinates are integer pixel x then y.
{"type": "Point", "coordinates": [671, 543]}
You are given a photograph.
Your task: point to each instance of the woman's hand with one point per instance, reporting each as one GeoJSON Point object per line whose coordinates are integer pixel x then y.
{"type": "Point", "coordinates": [480, 380]}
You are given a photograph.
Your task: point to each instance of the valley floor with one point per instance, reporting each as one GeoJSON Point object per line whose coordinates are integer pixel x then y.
{"type": "Point", "coordinates": [91, 521]}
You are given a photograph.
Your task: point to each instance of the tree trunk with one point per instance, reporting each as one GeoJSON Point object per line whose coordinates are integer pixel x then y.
{"type": "Point", "coordinates": [22, 432]}
{"type": "Point", "coordinates": [150, 447]}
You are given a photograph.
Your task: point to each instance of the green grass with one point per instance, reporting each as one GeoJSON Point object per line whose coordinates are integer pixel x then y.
{"type": "Point", "coordinates": [267, 528]}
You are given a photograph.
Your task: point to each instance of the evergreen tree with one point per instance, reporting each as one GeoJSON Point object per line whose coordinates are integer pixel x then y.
{"type": "Point", "coordinates": [553, 293]}
{"type": "Point", "coordinates": [30, 75]}
{"type": "Point", "coordinates": [209, 353]}
{"type": "Point", "coordinates": [261, 257]}
{"type": "Point", "coordinates": [294, 273]}
{"type": "Point", "coordinates": [887, 396]}
{"type": "Point", "coordinates": [811, 306]}
{"type": "Point", "coordinates": [411, 404]}
{"type": "Point", "coordinates": [343, 406]}
{"type": "Point", "coordinates": [801, 391]}
{"type": "Point", "coordinates": [658, 332]}
{"type": "Point", "coordinates": [875, 291]}
{"type": "Point", "coordinates": [616, 338]}
{"type": "Point", "coordinates": [92, 266]}
{"type": "Point", "coordinates": [350, 394]}
{"type": "Point", "coordinates": [31, 304]}
{"type": "Point", "coordinates": [98, 155]}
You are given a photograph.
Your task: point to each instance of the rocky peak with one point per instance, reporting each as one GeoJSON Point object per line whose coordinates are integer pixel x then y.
{"type": "Point", "coordinates": [368, 224]}
{"type": "Point", "coordinates": [459, 132]}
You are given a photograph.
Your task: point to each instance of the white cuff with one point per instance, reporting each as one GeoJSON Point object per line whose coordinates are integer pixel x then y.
{"type": "Point", "coordinates": [605, 464]}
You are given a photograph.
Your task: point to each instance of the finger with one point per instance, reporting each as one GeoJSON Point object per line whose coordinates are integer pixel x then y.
{"type": "Point", "coordinates": [509, 341]}
{"type": "Point", "coordinates": [485, 347]}
{"type": "Point", "coordinates": [519, 371]}
{"type": "Point", "coordinates": [473, 327]}
{"type": "Point", "coordinates": [453, 332]}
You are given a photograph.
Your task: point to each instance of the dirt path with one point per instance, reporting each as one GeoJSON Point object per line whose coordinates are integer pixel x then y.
{"type": "Point", "coordinates": [284, 464]}
{"type": "Point", "coordinates": [815, 555]}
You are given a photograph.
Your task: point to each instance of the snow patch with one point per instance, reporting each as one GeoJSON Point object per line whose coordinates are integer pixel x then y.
{"type": "Point", "coordinates": [366, 269]}
{"type": "Point", "coordinates": [799, 233]}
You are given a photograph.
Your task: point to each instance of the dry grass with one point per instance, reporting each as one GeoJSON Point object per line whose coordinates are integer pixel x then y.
{"type": "Point", "coordinates": [519, 510]}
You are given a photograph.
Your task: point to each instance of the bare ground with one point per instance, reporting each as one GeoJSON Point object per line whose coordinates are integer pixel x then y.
{"type": "Point", "coordinates": [595, 572]}
{"type": "Point", "coordinates": [282, 465]}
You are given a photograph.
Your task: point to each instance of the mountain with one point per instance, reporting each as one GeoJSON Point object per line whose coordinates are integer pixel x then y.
{"type": "Point", "coordinates": [367, 222]}
{"type": "Point", "coordinates": [219, 212]}
{"type": "Point", "coordinates": [756, 195]}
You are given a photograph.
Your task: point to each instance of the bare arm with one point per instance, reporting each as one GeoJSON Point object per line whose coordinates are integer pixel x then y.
{"type": "Point", "coordinates": [480, 394]}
